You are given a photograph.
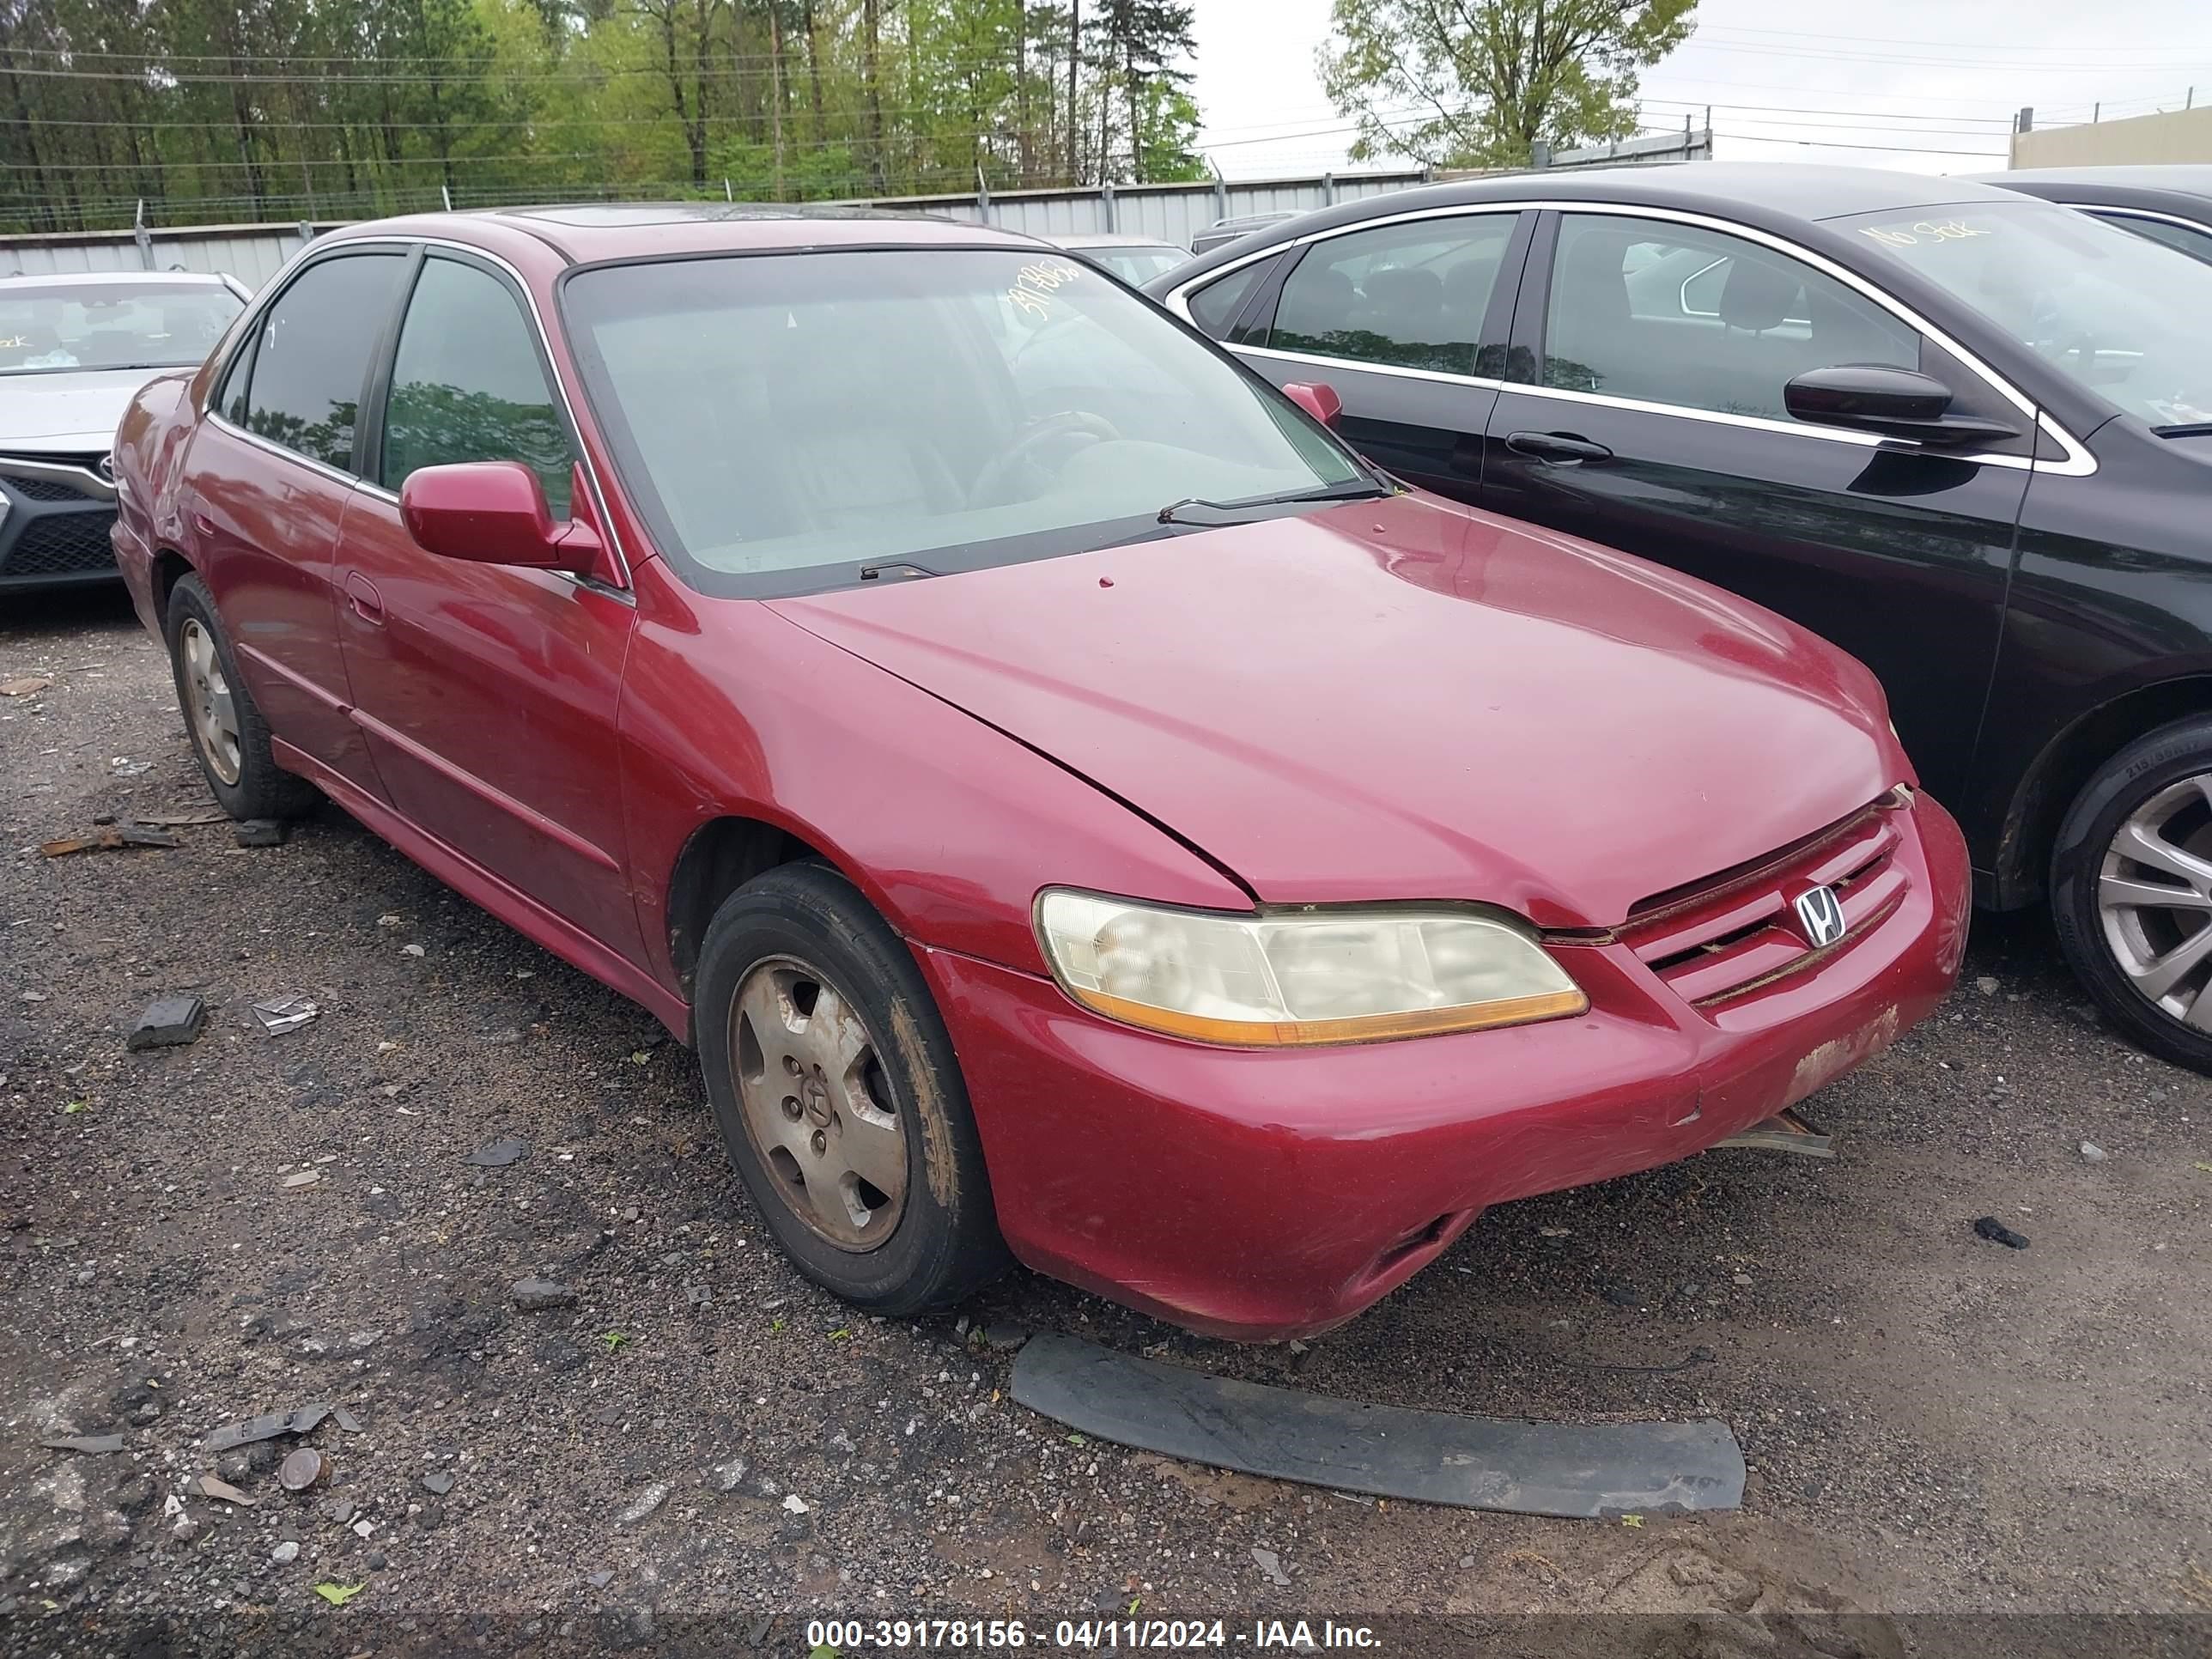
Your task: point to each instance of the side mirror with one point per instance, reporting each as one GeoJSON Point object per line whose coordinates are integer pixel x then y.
{"type": "Point", "coordinates": [1318, 399]}
{"type": "Point", "coordinates": [1897, 403]}
{"type": "Point", "coordinates": [495, 513]}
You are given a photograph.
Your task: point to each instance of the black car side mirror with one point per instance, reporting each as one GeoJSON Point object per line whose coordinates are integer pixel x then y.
{"type": "Point", "coordinates": [1897, 403]}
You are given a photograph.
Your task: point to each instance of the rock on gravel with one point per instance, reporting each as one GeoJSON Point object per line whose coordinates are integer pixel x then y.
{"type": "Point", "coordinates": [644, 1504]}
{"type": "Point", "coordinates": [531, 1295]}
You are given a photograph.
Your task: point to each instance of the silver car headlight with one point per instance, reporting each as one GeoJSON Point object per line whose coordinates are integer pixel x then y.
{"type": "Point", "coordinates": [1295, 977]}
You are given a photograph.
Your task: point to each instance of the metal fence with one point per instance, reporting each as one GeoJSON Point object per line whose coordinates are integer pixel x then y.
{"type": "Point", "coordinates": [1172, 214]}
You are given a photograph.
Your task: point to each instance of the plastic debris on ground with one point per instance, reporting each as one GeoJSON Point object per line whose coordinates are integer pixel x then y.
{"type": "Point", "coordinates": [168, 1023]}
{"type": "Point", "coordinates": [301, 1419]}
{"type": "Point", "coordinates": [281, 1014]}
{"type": "Point", "coordinates": [1997, 1233]}
{"type": "Point", "coordinates": [498, 1154]}
{"type": "Point", "coordinates": [1577, 1471]}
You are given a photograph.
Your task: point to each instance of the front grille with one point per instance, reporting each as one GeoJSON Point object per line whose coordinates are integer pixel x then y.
{"type": "Point", "coordinates": [61, 545]}
{"type": "Point", "coordinates": [1736, 932]}
{"type": "Point", "coordinates": [44, 490]}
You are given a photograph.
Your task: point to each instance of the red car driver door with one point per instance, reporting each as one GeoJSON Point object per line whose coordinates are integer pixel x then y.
{"type": "Point", "coordinates": [488, 692]}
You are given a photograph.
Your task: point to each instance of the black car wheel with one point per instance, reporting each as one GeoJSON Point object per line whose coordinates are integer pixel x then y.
{"type": "Point", "coordinates": [228, 734]}
{"type": "Point", "coordinates": [838, 1096]}
{"type": "Point", "coordinates": [2131, 891]}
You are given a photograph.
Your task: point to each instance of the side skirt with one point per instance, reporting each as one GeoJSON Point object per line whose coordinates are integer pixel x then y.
{"type": "Point", "coordinates": [482, 888]}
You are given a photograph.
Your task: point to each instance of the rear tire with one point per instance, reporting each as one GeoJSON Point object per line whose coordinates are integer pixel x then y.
{"type": "Point", "coordinates": [2131, 891]}
{"type": "Point", "coordinates": [839, 1097]}
{"type": "Point", "coordinates": [230, 736]}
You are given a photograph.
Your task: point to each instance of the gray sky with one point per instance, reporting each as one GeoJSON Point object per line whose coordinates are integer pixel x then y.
{"type": "Point", "coordinates": [1895, 84]}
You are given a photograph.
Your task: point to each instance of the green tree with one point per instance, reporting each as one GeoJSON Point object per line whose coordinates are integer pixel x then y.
{"type": "Point", "coordinates": [212, 110]}
{"type": "Point", "coordinates": [1478, 83]}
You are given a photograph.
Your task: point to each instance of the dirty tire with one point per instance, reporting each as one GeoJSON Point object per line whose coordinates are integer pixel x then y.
{"type": "Point", "coordinates": [2129, 786]}
{"type": "Point", "coordinates": [263, 789]}
{"type": "Point", "coordinates": [945, 1242]}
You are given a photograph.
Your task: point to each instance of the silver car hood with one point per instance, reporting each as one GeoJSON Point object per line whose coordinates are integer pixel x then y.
{"type": "Point", "coordinates": [66, 411]}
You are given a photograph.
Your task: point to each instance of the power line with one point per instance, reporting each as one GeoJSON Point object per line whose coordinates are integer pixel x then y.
{"type": "Point", "coordinates": [1892, 40]}
{"type": "Point", "coordinates": [1871, 118]}
{"type": "Point", "coordinates": [1824, 143]}
{"type": "Point", "coordinates": [2166, 65]}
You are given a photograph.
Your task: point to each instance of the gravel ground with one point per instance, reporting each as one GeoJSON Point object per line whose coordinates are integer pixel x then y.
{"type": "Point", "coordinates": [703, 1449]}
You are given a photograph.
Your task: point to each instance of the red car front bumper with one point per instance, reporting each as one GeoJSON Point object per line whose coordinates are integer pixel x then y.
{"type": "Point", "coordinates": [1265, 1195]}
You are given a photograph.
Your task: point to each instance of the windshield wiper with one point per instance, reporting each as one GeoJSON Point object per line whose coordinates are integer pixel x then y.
{"type": "Point", "coordinates": [2185, 429]}
{"type": "Point", "coordinates": [1175, 512]}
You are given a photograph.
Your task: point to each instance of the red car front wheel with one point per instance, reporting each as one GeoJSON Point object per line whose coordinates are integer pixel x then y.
{"type": "Point", "coordinates": [838, 1096]}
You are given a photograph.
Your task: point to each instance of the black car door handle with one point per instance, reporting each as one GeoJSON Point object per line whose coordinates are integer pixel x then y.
{"type": "Point", "coordinates": [1563, 447]}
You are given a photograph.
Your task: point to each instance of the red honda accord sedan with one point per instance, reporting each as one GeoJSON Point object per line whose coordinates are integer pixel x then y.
{"type": "Point", "coordinates": [1076, 807]}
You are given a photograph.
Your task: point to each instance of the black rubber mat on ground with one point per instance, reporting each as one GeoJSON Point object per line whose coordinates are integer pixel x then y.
{"type": "Point", "coordinates": [1573, 1470]}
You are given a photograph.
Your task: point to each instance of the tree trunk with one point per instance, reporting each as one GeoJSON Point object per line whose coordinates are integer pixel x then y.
{"type": "Point", "coordinates": [1074, 105]}
{"type": "Point", "coordinates": [696, 136]}
{"type": "Point", "coordinates": [1021, 84]}
{"type": "Point", "coordinates": [777, 107]}
{"type": "Point", "coordinates": [1129, 87]}
{"type": "Point", "coordinates": [814, 78]}
{"type": "Point", "coordinates": [42, 216]}
{"type": "Point", "coordinates": [872, 44]}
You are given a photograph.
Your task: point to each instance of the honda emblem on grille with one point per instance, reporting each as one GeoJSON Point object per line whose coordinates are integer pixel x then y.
{"type": "Point", "coordinates": [1820, 916]}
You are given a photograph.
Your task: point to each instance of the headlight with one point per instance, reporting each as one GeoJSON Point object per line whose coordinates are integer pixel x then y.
{"type": "Point", "coordinates": [1299, 977]}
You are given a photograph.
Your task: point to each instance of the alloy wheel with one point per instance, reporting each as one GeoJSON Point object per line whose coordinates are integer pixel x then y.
{"type": "Point", "coordinates": [816, 1104]}
{"type": "Point", "coordinates": [2154, 899]}
{"type": "Point", "coordinates": [208, 702]}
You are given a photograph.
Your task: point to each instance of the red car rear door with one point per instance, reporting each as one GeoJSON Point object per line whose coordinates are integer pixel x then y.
{"type": "Point", "coordinates": [488, 692]}
{"type": "Point", "coordinates": [267, 480]}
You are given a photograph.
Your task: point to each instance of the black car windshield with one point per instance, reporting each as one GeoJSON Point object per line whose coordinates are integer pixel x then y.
{"type": "Point", "coordinates": [786, 420]}
{"type": "Point", "coordinates": [2120, 313]}
{"type": "Point", "coordinates": [118, 324]}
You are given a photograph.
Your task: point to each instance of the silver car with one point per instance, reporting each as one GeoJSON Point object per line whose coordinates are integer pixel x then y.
{"type": "Point", "coordinates": [1136, 260]}
{"type": "Point", "coordinates": [73, 350]}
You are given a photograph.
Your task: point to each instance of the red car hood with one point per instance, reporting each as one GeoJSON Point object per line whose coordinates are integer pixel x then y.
{"type": "Point", "coordinates": [1403, 699]}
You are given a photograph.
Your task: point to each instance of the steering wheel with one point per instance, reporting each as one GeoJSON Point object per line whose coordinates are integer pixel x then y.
{"type": "Point", "coordinates": [989, 488]}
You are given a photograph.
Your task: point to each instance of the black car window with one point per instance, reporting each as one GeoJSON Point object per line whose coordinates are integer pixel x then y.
{"type": "Point", "coordinates": [1214, 307]}
{"type": "Point", "coordinates": [1412, 295]}
{"type": "Point", "coordinates": [1668, 313]}
{"type": "Point", "coordinates": [2189, 239]}
{"type": "Point", "coordinates": [468, 384]}
{"type": "Point", "coordinates": [312, 351]}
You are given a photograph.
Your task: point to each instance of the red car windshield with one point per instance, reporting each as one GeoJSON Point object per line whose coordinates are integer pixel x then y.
{"type": "Point", "coordinates": [783, 414]}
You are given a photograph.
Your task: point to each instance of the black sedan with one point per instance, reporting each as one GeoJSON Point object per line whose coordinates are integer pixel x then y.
{"type": "Point", "coordinates": [2170, 203]}
{"type": "Point", "coordinates": [1964, 433]}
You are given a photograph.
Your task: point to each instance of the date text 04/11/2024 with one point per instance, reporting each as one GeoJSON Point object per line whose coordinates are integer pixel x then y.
{"type": "Point", "coordinates": [836, 1637]}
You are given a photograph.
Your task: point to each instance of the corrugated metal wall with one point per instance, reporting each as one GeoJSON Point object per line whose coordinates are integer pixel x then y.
{"type": "Point", "coordinates": [251, 254]}
{"type": "Point", "coordinates": [1171, 213]}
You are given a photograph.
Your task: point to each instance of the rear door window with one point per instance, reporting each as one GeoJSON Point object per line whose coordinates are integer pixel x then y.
{"type": "Point", "coordinates": [1214, 307]}
{"type": "Point", "coordinates": [310, 354]}
{"type": "Point", "coordinates": [2191, 239]}
{"type": "Point", "coordinates": [1410, 295]}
